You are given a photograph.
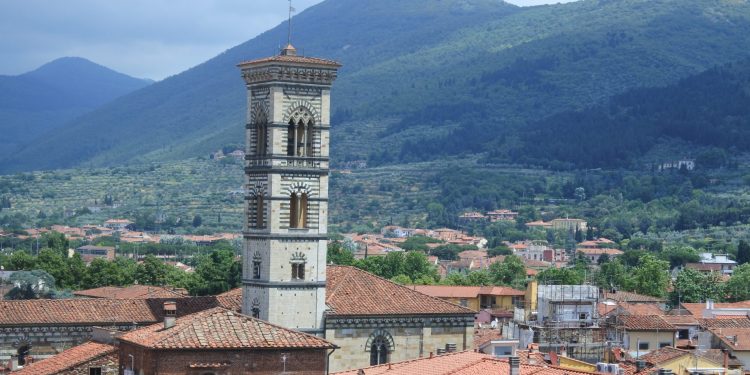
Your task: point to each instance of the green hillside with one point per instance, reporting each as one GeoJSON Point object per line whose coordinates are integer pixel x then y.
{"type": "Point", "coordinates": [414, 71]}
{"type": "Point", "coordinates": [40, 101]}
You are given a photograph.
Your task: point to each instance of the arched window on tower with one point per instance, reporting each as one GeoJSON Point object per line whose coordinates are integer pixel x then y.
{"type": "Point", "coordinates": [301, 134]}
{"type": "Point", "coordinates": [291, 131]}
{"type": "Point", "coordinates": [260, 211]}
{"type": "Point", "coordinates": [298, 210]}
{"type": "Point", "coordinates": [298, 266]}
{"type": "Point", "coordinates": [261, 130]}
{"type": "Point", "coordinates": [309, 139]}
{"type": "Point", "coordinates": [379, 351]}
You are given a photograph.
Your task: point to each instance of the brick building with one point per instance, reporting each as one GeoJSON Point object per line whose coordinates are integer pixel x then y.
{"type": "Point", "coordinates": [220, 341]}
{"type": "Point", "coordinates": [44, 328]}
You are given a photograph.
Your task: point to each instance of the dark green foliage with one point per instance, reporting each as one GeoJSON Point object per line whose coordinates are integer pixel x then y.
{"type": "Point", "coordinates": [216, 273]}
{"type": "Point", "coordinates": [743, 252]}
{"type": "Point", "coordinates": [413, 265]}
{"type": "Point", "coordinates": [31, 285]}
{"type": "Point", "coordinates": [693, 286]}
{"type": "Point", "coordinates": [338, 254]}
{"type": "Point", "coordinates": [511, 272]}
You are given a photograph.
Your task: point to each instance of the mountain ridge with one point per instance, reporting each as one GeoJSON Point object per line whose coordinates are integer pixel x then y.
{"type": "Point", "coordinates": [414, 74]}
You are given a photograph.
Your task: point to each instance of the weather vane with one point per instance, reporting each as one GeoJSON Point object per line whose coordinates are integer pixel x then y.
{"type": "Point", "coordinates": [289, 35]}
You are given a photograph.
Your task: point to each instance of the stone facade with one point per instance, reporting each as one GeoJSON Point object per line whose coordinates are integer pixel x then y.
{"type": "Point", "coordinates": [286, 176]}
{"type": "Point", "coordinates": [221, 362]}
{"type": "Point", "coordinates": [42, 341]}
{"type": "Point", "coordinates": [406, 337]}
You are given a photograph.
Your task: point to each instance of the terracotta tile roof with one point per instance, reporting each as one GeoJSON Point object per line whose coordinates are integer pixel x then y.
{"type": "Point", "coordinates": [102, 311]}
{"type": "Point", "coordinates": [621, 296]}
{"type": "Point", "coordinates": [733, 338]}
{"type": "Point", "coordinates": [236, 292]}
{"type": "Point", "coordinates": [717, 356]}
{"type": "Point", "coordinates": [133, 291]}
{"type": "Point", "coordinates": [290, 59]}
{"type": "Point", "coordinates": [663, 355]}
{"type": "Point", "coordinates": [641, 308]}
{"type": "Point", "coordinates": [448, 291]}
{"type": "Point", "coordinates": [697, 308]}
{"type": "Point", "coordinates": [351, 291]}
{"type": "Point", "coordinates": [645, 323]}
{"type": "Point", "coordinates": [219, 328]}
{"type": "Point", "coordinates": [68, 359]}
{"type": "Point", "coordinates": [733, 322]}
{"type": "Point", "coordinates": [682, 320]}
{"type": "Point", "coordinates": [460, 363]}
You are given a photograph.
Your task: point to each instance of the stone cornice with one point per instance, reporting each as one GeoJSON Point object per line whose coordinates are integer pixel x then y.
{"type": "Point", "coordinates": [350, 321]}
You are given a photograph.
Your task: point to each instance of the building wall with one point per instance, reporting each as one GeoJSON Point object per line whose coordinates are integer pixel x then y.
{"type": "Point", "coordinates": [409, 342]}
{"type": "Point", "coordinates": [654, 338]}
{"type": "Point", "coordinates": [679, 365]}
{"type": "Point", "coordinates": [471, 303]}
{"type": "Point", "coordinates": [45, 341]}
{"type": "Point", "coordinates": [177, 362]}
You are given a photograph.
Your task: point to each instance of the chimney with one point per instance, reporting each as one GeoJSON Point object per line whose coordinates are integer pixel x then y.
{"type": "Point", "coordinates": [640, 364]}
{"type": "Point", "coordinates": [663, 371]}
{"type": "Point", "coordinates": [514, 365]}
{"type": "Point", "coordinates": [430, 354]}
{"type": "Point", "coordinates": [170, 314]}
{"type": "Point", "coordinates": [726, 358]}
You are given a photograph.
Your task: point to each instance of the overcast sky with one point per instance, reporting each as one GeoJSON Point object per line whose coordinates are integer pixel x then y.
{"type": "Point", "coordinates": [143, 38]}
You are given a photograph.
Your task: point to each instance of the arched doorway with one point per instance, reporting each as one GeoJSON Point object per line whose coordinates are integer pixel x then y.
{"type": "Point", "coordinates": [23, 354]}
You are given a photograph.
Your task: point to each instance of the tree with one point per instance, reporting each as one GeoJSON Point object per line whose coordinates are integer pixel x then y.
{"type": "Point", "coordinates": [216, 273]}
{"type": "Point", "coordinates": [604, 258]}
{"type": "Point", "coordinates": [743, 252]}
{"type": "Point", "coordinates": [561, 276]}
{"type": "Point", "coordinates": [338, 254]}
{"type": "Point", "coordinates": [152, 271]}
{"type": "Point", "coordinates": [54, 264]}
{"type": "Point", "coordinates": [613, 275]}
{"type": "Point", "coordinates": [20, 261]}
{"type": "Point", "coordinates": [679, 256]}
{"type": "Point", "coordinates": [511, 271]}
{"type": "Point", "coordinates": [402, 279]}
{"type": "Point", "coordinates": [651, 276]}
{"type": "Point", "coordinates": [31, 285]}
{"type": "Point", "coordinates": [197, 221]}
{"type": "Point", "coordinates": [738, 286]}
{"type": "Point", "coordinates": [694, 286]}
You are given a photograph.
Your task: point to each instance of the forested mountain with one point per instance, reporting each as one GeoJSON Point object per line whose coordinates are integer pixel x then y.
{"type": "Point", "coordinates": [422, 78]}
{"type": "Point", "coordinates": [709, 109]}
{"type": "Point", "coordinates": [42, 100]}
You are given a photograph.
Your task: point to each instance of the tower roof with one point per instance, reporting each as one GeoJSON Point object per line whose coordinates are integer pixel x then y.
{"type": "Point", "coordinates": [289, 55]}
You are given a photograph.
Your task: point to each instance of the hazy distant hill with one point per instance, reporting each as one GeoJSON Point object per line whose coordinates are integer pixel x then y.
{"type": "Point", "coordinates": [44, 99]}
{"type": "Point", "coordinates": [422, 78]}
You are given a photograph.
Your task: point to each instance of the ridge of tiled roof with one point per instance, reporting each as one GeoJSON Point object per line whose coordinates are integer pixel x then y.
{"type": "Point", "coordinates": [645, 323]}
{"type": "Point", "coordinates": [103, 311]}
{"type": "Point", "coordinates": [622, 296]}
{"type": "Point", "coordinates": [236, 292]}
{"type": "Point", "coordinates": [133, 291]}
{"type": "Point", "coordinates": [725, 323]}
{"type": "Point", "coordinates": [352, 291]}
{"type": "Point", "coordinates": [67, 359]}
{"type": "Point", "coordinates": [219, 328]}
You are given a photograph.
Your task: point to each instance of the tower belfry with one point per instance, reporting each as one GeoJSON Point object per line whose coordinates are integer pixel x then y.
{"type": "Point", "coordinates": [286, 177]}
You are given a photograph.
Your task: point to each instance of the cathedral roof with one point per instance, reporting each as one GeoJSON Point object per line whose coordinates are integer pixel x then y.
{"type": "Point", "coordinates": [352, 291]}
{"type": "Point", "coordinates": [68, 359]}
{"type": "Point", "coordinates": [102, 311]}
{"type": "Point", "coordinates": [133, 291]}
{"type": "Point", "coordinates": [219, 328]}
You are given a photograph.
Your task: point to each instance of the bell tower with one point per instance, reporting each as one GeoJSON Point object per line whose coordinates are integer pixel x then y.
{"type": "Point", "coordinates": [286, 178]}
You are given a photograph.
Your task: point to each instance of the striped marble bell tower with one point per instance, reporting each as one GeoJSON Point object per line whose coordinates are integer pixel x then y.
{"type": "Point", "coordinates": [286, 177]}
